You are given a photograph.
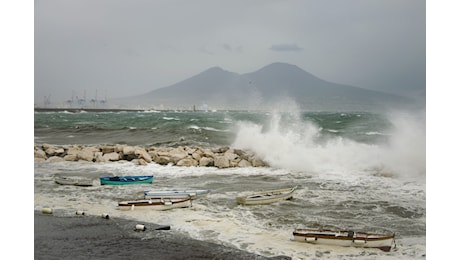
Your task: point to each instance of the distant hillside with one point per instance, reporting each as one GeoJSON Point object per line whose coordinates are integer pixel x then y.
{"type": "Point", "coordinates": [263, 89]}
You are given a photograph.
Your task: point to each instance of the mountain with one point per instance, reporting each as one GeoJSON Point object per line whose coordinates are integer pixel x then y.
{"type": "Point", "coordinates": [261, 90]}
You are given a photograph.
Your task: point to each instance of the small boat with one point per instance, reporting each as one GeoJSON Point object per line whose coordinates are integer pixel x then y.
{"type": "Point", "coordinates": [266, 197]}
{"type": "Point", "coordinates": [124, 180]}
{"type": "Point", "coordinates": [156, 204]}
{"type": "Point", "coordinates": [175, 193]}
{"type": "Point", "coordinates": [73, 181]}
{"type": "Point", "coordinates": [345, 238]}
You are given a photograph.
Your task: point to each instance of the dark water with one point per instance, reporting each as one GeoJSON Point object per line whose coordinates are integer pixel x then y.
{"type": "Point", "coordinates": [193, 128]}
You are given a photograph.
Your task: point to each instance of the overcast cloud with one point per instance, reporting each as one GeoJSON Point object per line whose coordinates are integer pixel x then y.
{"type": "Point", "coordinates": [117, 48]}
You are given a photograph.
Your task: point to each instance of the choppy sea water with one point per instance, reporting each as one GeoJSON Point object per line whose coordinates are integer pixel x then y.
{"type": "Point", "coordinates": [356, 171]}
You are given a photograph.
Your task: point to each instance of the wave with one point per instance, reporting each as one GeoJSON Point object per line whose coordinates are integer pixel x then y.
{"type": "Point", "coordinates": [299, 145]}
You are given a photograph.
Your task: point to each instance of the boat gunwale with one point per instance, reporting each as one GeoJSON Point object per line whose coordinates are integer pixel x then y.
{"type": "Point", "coordinates": [262, 196]}
{"type": "Point", "coordinates": [333, 235]}
{"type": "Point", "coordinates": [149, 202]}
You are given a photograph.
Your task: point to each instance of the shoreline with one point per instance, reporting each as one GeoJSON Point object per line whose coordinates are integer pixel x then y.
{"type": "Point", "coordinates": [58, 236]}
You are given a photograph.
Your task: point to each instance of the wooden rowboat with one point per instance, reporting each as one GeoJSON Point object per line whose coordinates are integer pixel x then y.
{"type": "Point", "coordinates": [265, 197]}
{"type": "Point", "coordinates": [124, 180]}
{"type": "Point", "coordinates": [73, 181]}
{"type": "Point", "coordinates": [156, 204]}
{"type": "Point", "coordinates": [175, 193]}
{"type": "Point", "coordinates": [345, 238]}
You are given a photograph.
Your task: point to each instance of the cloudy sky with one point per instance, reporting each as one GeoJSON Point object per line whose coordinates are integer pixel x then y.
{"type": "Point", "coordinates": [117, 48]}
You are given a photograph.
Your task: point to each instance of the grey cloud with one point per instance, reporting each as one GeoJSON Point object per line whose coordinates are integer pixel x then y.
{"type": "Point", "coordinates": [286, 47]}
{"type": "Point", "coordinates": [227, 47]}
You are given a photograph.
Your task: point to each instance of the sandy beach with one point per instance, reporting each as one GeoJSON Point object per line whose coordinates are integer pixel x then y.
{"type": "Point", "coordinates": [94, 237]}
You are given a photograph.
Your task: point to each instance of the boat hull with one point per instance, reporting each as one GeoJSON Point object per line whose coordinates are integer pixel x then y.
{"type": "Point", "coordinates": [73, 181]}
{"type": "Point", "coordinates": [126, 180]}
{"type": "Point", "coordinates": [266, 197]}
{"type": "Point", "coordinates": [156, 204]}
{"type": "Point", "coordinates": [345, 238]}
{"type": "Point", "coordinates": [149, 194]}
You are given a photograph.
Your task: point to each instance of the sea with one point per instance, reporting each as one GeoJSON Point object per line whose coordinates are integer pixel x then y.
{"type": "Point", "coordinates": [355, 171]}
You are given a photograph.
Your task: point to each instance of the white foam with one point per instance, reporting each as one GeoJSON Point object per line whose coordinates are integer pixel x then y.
{"type": "Point", "coordinates": [293, 145]}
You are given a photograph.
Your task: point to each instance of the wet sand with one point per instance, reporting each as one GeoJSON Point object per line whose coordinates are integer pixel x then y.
{"type": "Point", "coordinates": [94, 237]}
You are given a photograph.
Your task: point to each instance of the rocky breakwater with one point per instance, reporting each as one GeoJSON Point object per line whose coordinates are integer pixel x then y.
{"type": "Point", "coordinates": [223, 157]}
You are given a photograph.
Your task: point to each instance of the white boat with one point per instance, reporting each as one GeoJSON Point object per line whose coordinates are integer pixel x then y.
{"type": "Point", "coordinates": [156, 204]}
{"type": "Point", "coordinates": [73, 181]}
{"type": "Point", "coordinates": [265, 197]}
{"type": "Point", "coordinates": [345, 238]}
{"type": "Point", "coordinates": [148, 194]}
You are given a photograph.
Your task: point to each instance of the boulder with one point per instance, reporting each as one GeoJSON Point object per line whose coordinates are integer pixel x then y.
{"type": "Point", "coordinates": [111, 157]}
{"type": "Point", "coordinates": [39, 153]}
{"type": "Point", "coordinates": [98, 157]}
{"type": "Point", "coordinates": [221, 162]}
{"type": "Point", "coordinates": [196, 156]}
{"type": "Point", "coordinates": [187, 162]}
{"type": "Point", "coordinates": [256, 162]}
{"type": "Point", "coordinates": [39, 160]}
{"type": "Point", "coordinates": [244, 163]}
{"type": "Point", "coordinates": [141, 162]}
{"type": "Point", "coordinates": [71, 157]}
{"type": "Point", "coordinates": [107, 149]}
{"type": "Point", "coordinates": [206, 161]}
{"type": "Point", "coordinates": [163, 160]}
{"type": "Point", "coordinates": [128, 150]}
{"type": "Point", "coordinates": [86, 154]}
{"type": "Point", "coordinates": [73, 150]}
{"type": "Point", "coordinates": [142, 154]}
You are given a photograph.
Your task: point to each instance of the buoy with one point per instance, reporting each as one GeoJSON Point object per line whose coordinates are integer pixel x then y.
{"type": "Point", "coordinates": [47, 210]}
{"type": "Point", "coordinates": [79, 212]}
{"type": "Point", "coordinates": [105, 215]}
{"type": "Point", "coordinates": [140, 227]}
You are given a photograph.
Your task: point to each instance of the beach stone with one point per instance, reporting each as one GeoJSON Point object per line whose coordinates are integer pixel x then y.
{"type": "Point", "coordinates": [73, 150]}
{"type": "Point", "coordinates": [196, 156]}
{"type": "Point", "coordinates": [142, 154]}
{"type": "Point", "coordinates": [208, 153]}
{"type": "Point", "coordinates": [177, 154]}
{"type": "Point", "coordinates": [206, 161]}
{"type": "Point", "coordinates": [107, 149]}
{"type": "Point", "coordinates": [142, 162]}
{"type": "Point", "coordinates": [221, 162]}
{"type": "Point", "coordinates": [256, 162]}
{"type": "Point", "coordinates": [119, 148]}
{"type": "Point", "coordinates": [39, 153]}
{"type": "Point", "coordinates": [220, 149]}
{"type": "Point", "coordinates": [98, 157]}
{"type": "Point", "coordinates": [163, 160]}
{"type": "Point", "coordinates": [50, 150]}
{"type": "Point", "coordinates": [86, 154]}
{"type": "Point", "coordinates": [39, 160]}
{"type": "Point", "coordinates": [111, 157]}
{"type": "Point", "coordinates": [187, 162]}
{"type": "Point", "coordinates": [128, 150]}
{"type": "Point", "coordinates": [71, 157]}
{"type": "Point", "coordinates": [244, 163]}
{"type": "Point", "coordinates": [231, 156]}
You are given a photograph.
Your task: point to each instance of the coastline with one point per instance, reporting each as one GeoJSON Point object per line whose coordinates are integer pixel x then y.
{"type": "Point", "coordinates": [60, 236]}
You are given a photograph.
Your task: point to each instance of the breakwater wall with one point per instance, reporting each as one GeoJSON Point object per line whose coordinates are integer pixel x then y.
{"type": "Point", "coordinates": [222, 157]}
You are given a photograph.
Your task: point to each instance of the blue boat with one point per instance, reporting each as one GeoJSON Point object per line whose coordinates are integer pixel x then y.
{"type": "Point", "coordinates": [124, 180]}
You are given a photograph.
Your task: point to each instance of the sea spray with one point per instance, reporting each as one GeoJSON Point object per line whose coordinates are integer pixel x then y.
{"type": "Point", "coordinates": [292, 142]}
